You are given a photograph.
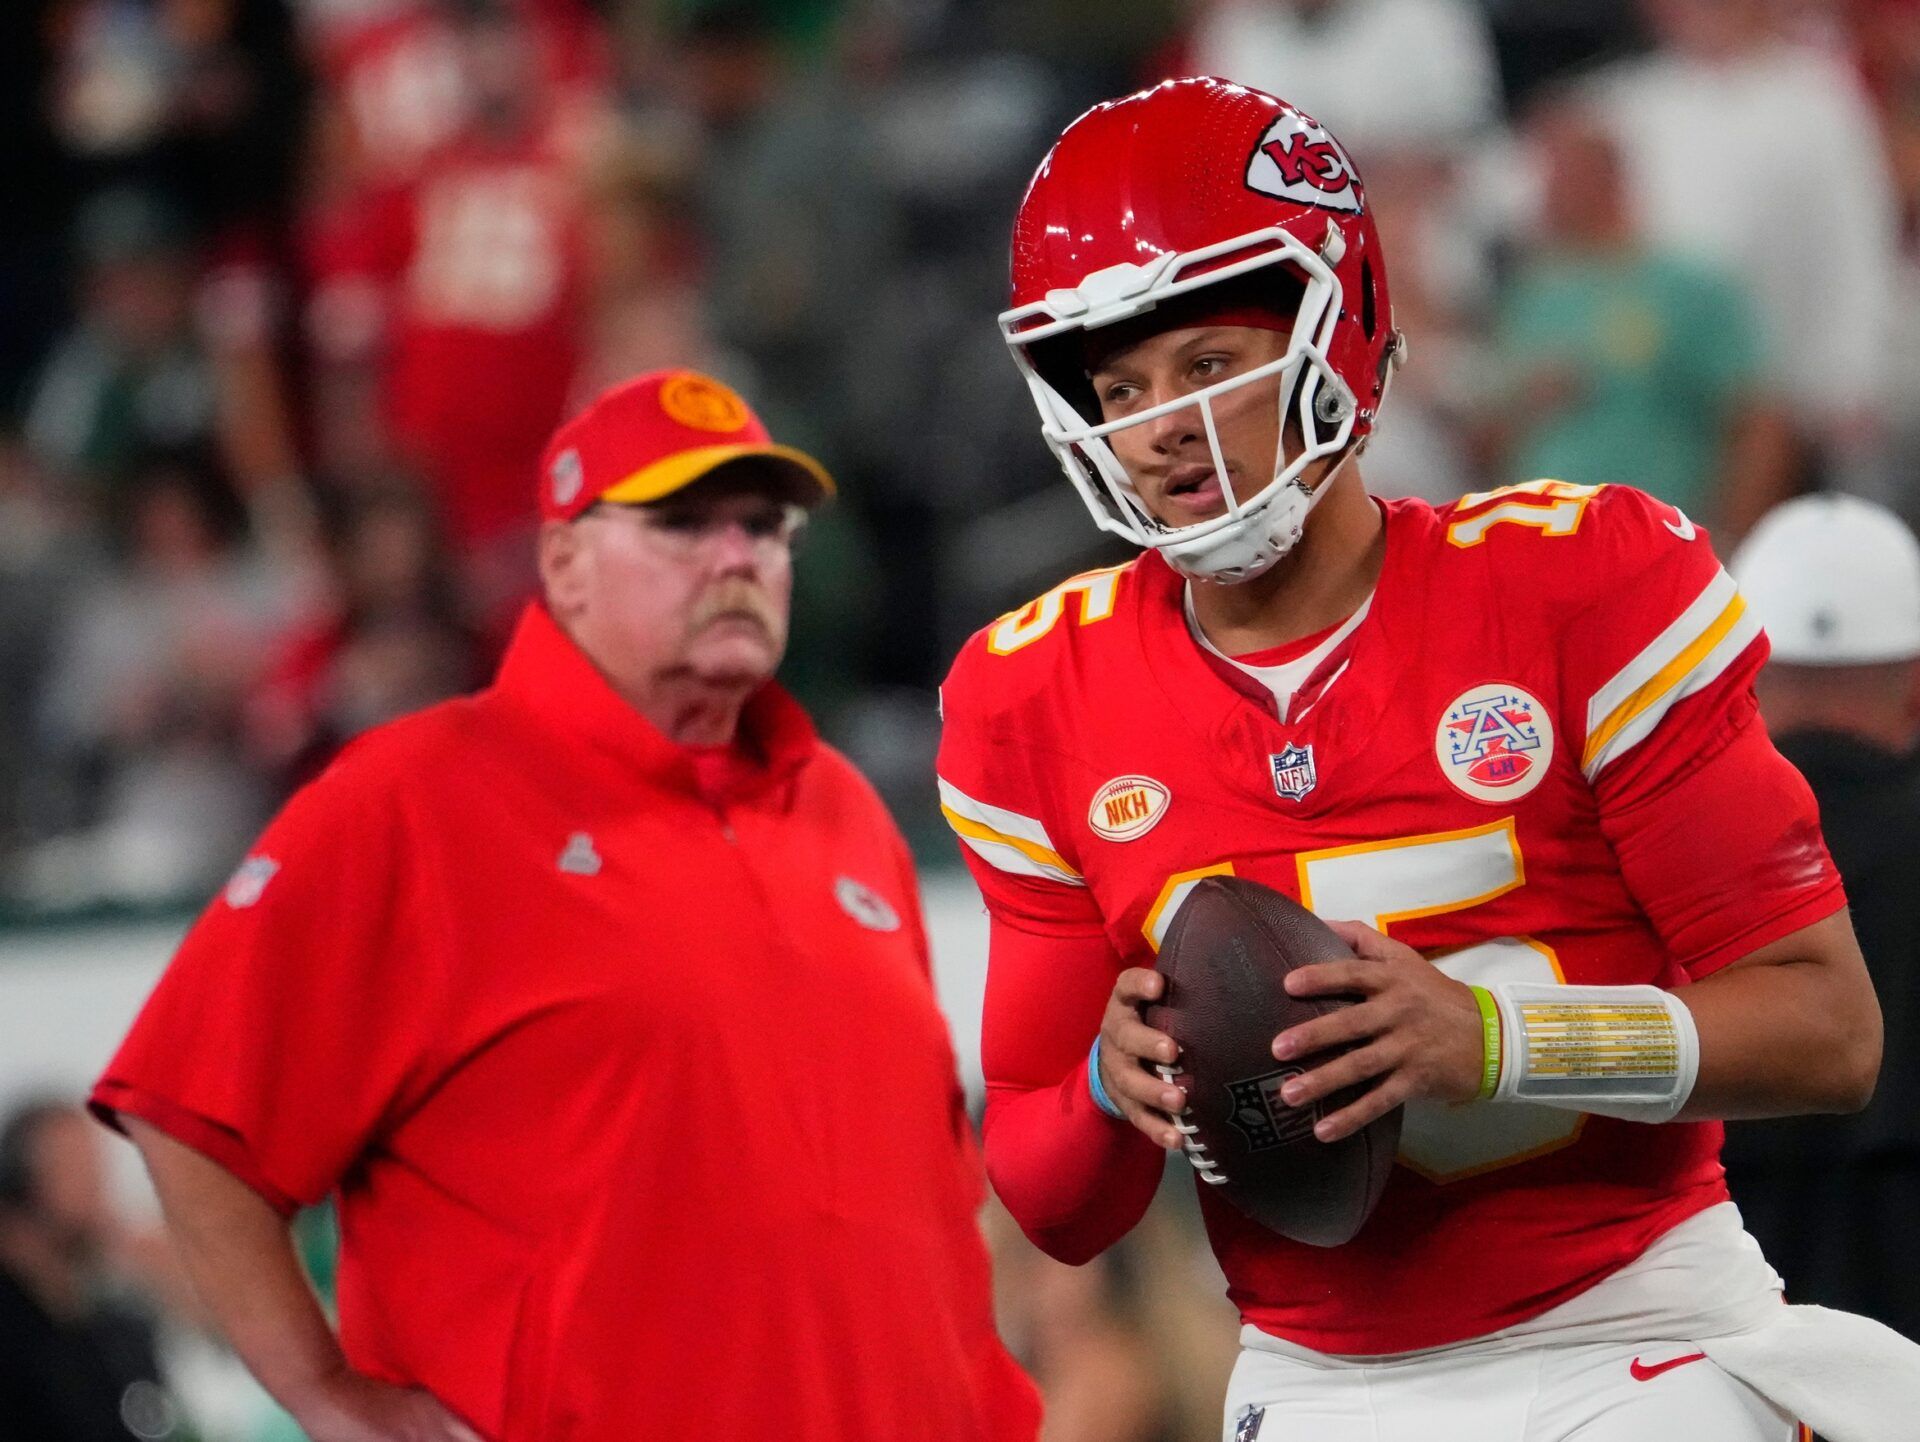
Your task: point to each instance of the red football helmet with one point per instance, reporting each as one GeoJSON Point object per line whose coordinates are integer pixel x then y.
{"type": "Point", "coordinates": [1202, 183]}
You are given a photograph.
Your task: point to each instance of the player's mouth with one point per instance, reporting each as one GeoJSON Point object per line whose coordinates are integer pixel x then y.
{"type": "Point", "coordinates": [1191, 494]}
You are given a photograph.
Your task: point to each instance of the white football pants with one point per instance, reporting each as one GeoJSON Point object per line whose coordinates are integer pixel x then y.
{"type": "Point", "coordinates": [1594, 1392]}
{"type": "Point", "coordinates": [1623, 1361]}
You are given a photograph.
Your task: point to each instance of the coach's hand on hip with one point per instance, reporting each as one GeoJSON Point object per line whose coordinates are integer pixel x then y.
{"type": "Point", "coordinates": [1130, 1049]}
{"type": "Point", "coordinates": [352, 1408]}
{"type": "Point", "coordinates": [1416, 1032]}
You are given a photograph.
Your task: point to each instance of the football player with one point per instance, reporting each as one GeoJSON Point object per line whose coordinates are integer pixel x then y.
{"type": "Point", "coordinates": [1510, 744]}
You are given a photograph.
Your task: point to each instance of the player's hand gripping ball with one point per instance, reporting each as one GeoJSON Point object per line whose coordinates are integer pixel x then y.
{"type": "Point", "coordinates": [1225, 961]}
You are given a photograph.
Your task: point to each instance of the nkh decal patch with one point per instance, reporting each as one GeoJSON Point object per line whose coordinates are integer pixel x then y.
{"type": "Point", "coordinates": [1297, 160]}
{"type": "Point", "coordinates": [865, 905]}
{"type": "Point", "coordinates": [1128, 806]}
{"type": "Point", "coordinates": [1293, 773]}
{"type": "Point", "coordinates": [1494, 742]}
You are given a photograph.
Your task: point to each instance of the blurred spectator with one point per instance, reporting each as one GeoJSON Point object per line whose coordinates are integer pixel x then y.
{"type": "Point", "coordinates": [132, 375]}
{"type": "Point", "coordinates": [80, 1366]}
{"type": "Point", "coordinates": [1889, 47]}
{"type": "Point", "coordinates": [1627, 363]}
{"type": "Point", "coordinates": [200, 99]}
{"type": "Point", "coordinates": [46, 554]}
{"type": "Point", "coordinates": [786, 194]}
{"type": "Point", "coordinates": [1836, 582]}
{"type": "Point", "coordinates": [1387, 75]}
{"type": "Point", "coordinates": [140, 709]}
{"type": "Point", "coordinates": [395, 640]}
{"type": "Point", "coordinates": [647, 309]}
{"type": "Point", "coordinates": [462, 292]}
{"type": "Point", "coordinates": [1759, 153]}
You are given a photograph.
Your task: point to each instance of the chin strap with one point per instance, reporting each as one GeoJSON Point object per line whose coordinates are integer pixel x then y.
{"type": "Point", "coordinates": [1270, 548]}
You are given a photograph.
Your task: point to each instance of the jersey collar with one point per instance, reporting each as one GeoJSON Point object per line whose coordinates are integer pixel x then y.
{"type": "Point", "coordinates": [546, 674]}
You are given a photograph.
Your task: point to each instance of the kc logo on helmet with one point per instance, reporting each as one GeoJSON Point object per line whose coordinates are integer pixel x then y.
{"type": "Point", "coordinates": [1128, 806]}
{"type": "Point", "coordinates": [1494, 742]}
{"type": "Point", "coordinates": [1297, 159]}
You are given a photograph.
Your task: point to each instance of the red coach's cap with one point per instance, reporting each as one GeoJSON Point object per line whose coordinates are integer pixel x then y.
{"type": "Point", "coordinates": [648, 437]}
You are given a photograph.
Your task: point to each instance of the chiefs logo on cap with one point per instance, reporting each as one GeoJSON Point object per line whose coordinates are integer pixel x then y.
{"type": "Point", "coordinates": [566, 477]}
{"type": "Point", "coordinates": [702, 404]}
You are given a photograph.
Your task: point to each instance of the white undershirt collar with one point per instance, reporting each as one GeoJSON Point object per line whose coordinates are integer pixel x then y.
{"type": "Point", "coordinates": [1285, 679]}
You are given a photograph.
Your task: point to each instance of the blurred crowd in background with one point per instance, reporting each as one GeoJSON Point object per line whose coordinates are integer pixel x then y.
{"type": "Point", "coordinates": [293, 291]}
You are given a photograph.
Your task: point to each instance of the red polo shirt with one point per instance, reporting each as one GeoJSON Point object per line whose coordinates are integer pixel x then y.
{"type": "Point", "coordinates": [625, 1068]}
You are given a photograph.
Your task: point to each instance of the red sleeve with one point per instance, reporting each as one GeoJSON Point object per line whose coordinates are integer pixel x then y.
{"type": "Point", "coordinates": [1717, 836]}
{"type": "Point", "coordinates": [292, 1024]}
{"type": "Point", "coordinates": [1075, 1179]}
{"type": "Point", "coordinates": [1727, 857]}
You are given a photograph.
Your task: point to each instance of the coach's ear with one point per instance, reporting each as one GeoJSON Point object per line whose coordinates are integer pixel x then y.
{"type": "Point", "coordinates": [563, 569]}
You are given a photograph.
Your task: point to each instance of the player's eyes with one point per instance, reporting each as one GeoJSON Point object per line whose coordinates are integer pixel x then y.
{"type": "Point", "coordinates": [1211, 365]}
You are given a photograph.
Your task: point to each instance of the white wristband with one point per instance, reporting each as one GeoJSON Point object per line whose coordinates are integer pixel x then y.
{"type": "Point", "coordinates": [1630, 1052]}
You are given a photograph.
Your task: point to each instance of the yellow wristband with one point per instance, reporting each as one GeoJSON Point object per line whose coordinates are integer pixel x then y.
{"type": "Point", "coordinates": [1489, 1042]}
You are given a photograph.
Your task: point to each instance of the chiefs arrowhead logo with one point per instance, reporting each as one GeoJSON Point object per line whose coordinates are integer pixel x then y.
{"type": "Point", "coordinates": [1298, 160]}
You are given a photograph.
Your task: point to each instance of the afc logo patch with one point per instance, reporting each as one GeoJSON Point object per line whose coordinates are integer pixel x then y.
{"type": "Point", "coordinates": [1494, 742]}
{"type": "Point", "coordinates": [1262, 1117]}
{"type": "Point", "coordinates": [1297, 160]}
{"type": "Point", "coordinates": [1293, 772]}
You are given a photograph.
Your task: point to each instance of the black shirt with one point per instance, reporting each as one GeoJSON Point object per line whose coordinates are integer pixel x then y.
{"type": "Point", "coordinates": [1835, 1201]}
{"type": "Point", "coordinates": [77, 1381]}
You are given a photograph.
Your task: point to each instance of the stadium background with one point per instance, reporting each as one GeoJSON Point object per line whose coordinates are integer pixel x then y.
{"type": "Point", "coordinates": [291, 292]}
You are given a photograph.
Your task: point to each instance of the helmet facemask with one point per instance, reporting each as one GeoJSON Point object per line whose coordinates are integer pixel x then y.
{"type": "Point", "coordinates": [1260, 528]}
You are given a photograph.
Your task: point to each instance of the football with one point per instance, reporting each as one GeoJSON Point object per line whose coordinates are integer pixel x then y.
{"type": "Point", "coordinates": [1225, 959]}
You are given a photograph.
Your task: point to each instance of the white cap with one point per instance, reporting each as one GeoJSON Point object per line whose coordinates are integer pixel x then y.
{"type": "Point", "coordinates": [1835, 581]}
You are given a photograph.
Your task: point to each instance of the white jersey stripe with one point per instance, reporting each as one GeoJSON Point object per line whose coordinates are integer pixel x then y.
{"type": "Point", "coordinates": [1004, 839]}
{"type": "Point", "coordinates": [1687, 628]}
{"type": "Point", "coordinates": [1691, 669]}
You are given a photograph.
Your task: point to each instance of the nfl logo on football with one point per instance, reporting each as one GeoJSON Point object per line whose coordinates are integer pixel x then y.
{"type": "Point", "coordinates": [1293, 774]}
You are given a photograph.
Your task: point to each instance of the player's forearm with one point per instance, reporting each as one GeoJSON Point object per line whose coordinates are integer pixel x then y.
{"type": "Point", "coordinates": [1787, 1035]}
{"type": "Point", "coordinates": [1754, 1063]}
{"type": "Point", "coordinates": [1074, 1179]}
{"type": "Point", "coordinates": [240, 1257]}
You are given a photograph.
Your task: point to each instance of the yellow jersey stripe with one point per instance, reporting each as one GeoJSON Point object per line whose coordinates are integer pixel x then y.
{"type": "Point", "coordinates": [1665, 679]}
{"type": "Point", "coordinates": [1033, 851]}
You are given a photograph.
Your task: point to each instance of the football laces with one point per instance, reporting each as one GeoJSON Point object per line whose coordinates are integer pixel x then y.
{"type": "Point", "coordinates": [1190, 1143]}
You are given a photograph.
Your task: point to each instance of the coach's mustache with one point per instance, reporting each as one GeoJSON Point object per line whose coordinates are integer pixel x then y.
{"type": "Point", "coordinates": [738, 599]}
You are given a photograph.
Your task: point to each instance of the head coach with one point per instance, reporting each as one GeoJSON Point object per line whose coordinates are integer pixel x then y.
{"type": "Point", "coordinates": [600, 1002]}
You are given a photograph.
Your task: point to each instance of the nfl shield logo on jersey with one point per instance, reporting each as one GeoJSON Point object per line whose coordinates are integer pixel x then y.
{"type": "Point", "coordinates": [1248, 1426]}
{"type": "Point", "coordinates": [1494, 742]}
{"type": "Point", "coordinates": [1293, 773]}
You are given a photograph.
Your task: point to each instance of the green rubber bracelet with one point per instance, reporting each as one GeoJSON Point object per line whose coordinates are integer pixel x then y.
{"type": "Point", "coordinates": [1489, 1042]}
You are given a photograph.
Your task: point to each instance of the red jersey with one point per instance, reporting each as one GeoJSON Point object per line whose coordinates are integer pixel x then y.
{"type": "Point", "coordinates": [1535, 757]}
{"type": "Point", "coordinates": [518, 979]}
